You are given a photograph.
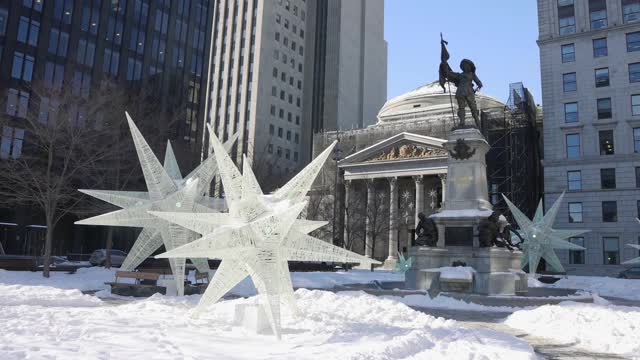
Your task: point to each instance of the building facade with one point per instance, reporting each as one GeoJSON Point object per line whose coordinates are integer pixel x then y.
{"type": "Point", "coordinates": [273, 60]}
{"type": "Point", "coordinates": [590, 69]}
{"type": "Point", "coordinates": [392, 171]}
{"type": "Point", "coordinates": [155, 46]}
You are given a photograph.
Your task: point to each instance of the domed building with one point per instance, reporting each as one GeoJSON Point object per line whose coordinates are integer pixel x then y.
{"type": "Point", "coordinates": [388, 173]}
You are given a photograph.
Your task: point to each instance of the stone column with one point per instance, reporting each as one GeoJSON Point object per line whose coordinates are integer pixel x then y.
{"type": "Point", "coordinates": [443, 182]}
{"type": "Point", "coordinates": [368, 245]}
{"type": "Point", "coordinates": [345, 222]}
{"type": "Point", "coordinates": [392, 257]}
{"type": "Point", "coordinates": [419, 197]}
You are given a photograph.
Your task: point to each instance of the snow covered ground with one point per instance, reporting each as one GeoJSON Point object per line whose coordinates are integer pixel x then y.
{"type": "Point", "coordinates": [347, 326]}
{"type": "Point", "coordinates": [597, 327]}
{"type": "Point", "coordinates": [92, 278]}
{"type": "Point", "coordinates": [604, 286]}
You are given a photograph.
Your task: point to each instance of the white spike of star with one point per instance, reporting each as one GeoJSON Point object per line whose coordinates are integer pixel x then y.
{"type": "Point", "coordinates": [258, 236]}
{"type": "Point", "coordinates": [540, 239]}
{"type": "Point", "coordinates": [168, 191]}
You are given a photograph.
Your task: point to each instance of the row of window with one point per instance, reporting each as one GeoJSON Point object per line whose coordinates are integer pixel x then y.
{"type": "Point", "coordinates": [283, 78]}
{"type": "Point", "coordinates": [603, 109]}
{"type": "Point", "coordinates": [272, 130]}
{"type": "Point", "coordinates": [598, 18]}
{"type": "Point", "coordinates": [610, 247]}
{"type": "Point", "coordinates": [609, 211]}
{"type": "Point", "coordinates": [294, 28]}
{"type": "Point", "coordinates": [281, 113]}
{"type": "Point", "coordinates": [607, 179]}
{"type": "Point", "coordinates": [287, 153]}
{"type": "Point", "coordinates": [287, 6]}
{"type": "Point", "coordinates": [284, 96]}
{"type": "Point", "coordinates": [606, 143]}
{"type": "Point", "coordinates": [570, 82]}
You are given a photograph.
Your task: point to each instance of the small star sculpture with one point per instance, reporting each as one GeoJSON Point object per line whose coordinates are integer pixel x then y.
{"type": "Point", "coordinates": [403, 264]}
{"type": "Point", "coordinates": [167, 191]}
{"type": "Point", "coordinates": [540, 238]}
{"type": "Point", "coordinates": [258, 236]}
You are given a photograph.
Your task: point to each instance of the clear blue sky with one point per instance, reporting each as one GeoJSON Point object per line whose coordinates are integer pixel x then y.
{"type": "Point", "coordinates": [498, 35]}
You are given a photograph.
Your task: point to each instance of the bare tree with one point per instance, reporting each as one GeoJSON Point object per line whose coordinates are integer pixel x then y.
{"type": "Point", "coordinates": [378, 216]}
{"type": "Point", "coordinates": [67, 144]}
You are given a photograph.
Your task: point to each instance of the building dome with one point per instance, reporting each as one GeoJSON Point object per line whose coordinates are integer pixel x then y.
{"type": "Point", "coordinates": [429, 100]}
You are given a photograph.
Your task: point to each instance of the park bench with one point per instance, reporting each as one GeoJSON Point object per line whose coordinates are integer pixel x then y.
{"type": "Point", "coordinates": [145, 284]}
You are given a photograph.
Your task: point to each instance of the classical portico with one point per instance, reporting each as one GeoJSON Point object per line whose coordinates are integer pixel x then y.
{"type": "Point", "coordinates": [411, 163]}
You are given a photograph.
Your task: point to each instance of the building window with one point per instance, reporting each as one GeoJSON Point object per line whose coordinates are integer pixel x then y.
{"type": "Point", "coordinates": [609, 211]}
{"type": "Point", "coordinates": [295, 156]}
{"type": "Point", "coordinates": [287, 154]}
{"type": "Point", "coordinates": [134, 69]}
{"type": "Point", "coordinates": [611, 250]}
{"type": "Point", "coordinates": [636, 140]}
{"type": "Point", "coordinates": [568, 53]}
{"type": "Point", "coordinates": [33, 4]}
{"type": "Point", "coordinates": [604, 108]}
{"type": "Point", "coordinates": [11, 142]}
{"type": "Point", "coordinates": [280, 132]}
{"type": "Point", "coordinates": [606, 142]}
{"type": "Point", "coordinates": [28, 31]}
{"type": "Point", "coordinates": [58, 42]}
{"type": "Point", "coordinates": [633, 41]}
{"type": "Point", "coordinates": [600, 47]}
{"type": "Point", "coordinates": [90, 16]}
{"type": "Point", "coordinates": [635, 105]}
{"type": "Point", "coordinates": [22, 66]}
{"type": "Point", "coordinates": [598, 14]}
{"type": "Point", "coordinates": [634, 72]}
{"type": "Point", "coordinates": [279, 151]}
{"type": "Point", "coordinates": [86, 52]}
{"type": "Point", "coordinates": [297, 138]}
{"type": "Point", "coordinates": [575, 212]}
{"type": "Point", "coordinates": [63, 10]}
{"type": "Point", "coordinates": [111, 62]}
{"type": "Point", "coordinates": [576, 256]}
{"type": "Point", "coordinates": [574, 180]}
{"type": "Point", "coordinates": [17, 103]}
{"type": "Point", "coordinates": [81, 83]}
{"type": "Point", "coordinates": [4, 17]}
{"type": "Point", "coordinates": [566, 17]}
{"type": "Point", "coordinates": [638, 177]}
{"type": "Point", "coordinates": [53, 75]}
{"type": "Point", "coordinates": [271, 129]}
{"type": "Point", "coordinates": [571, 112]}
{"type": "Point", "coordinates": [569, 82]}
{"type": "Point", "coordinates": [608, 178]}
{"type": "Point", "coordinates": [573, 146]}
{"type": "Point", "coordinates": [273, 110]}
{"type": "Point", "coordinates": [638, 209]}
{"type": "Point", "coordinates": [270, 149]}
{"type": "Point", "coordinates": [602, 77]}
{"type": "Point", "coordinates": [631, 10]}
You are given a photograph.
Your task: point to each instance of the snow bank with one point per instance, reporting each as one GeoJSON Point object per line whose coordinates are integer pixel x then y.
{"type": "Point", "coordinates": [15, 295]}
{"type": "Point", "coordinates": [599, 328]}
{"type": "Point", "coordinates": [445, 302]}
{"type": "Point", "coordinates": [605, 286]}
{"type": "Point", "coordinates": [331, 326]}
{"type": "Point", "coordinates": [455, 272]}
{"type": "Point", "coordinates": [92, 278]}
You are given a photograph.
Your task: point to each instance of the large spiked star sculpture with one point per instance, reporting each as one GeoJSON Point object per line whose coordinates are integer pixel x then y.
{"type": "Point", "coordinates": [167, 191]}
{"type": "Point", "coordinates": [540, 238]}
{"type": "Point", "coordinates": [634, 260]}
{"type": "Point", "coordinates": [258, 236]}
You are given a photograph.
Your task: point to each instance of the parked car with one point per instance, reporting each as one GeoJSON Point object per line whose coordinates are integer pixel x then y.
{"type": "Point", "coordinates": [99, 257]}
{"type": "Point", "coordinates": [630, 273]}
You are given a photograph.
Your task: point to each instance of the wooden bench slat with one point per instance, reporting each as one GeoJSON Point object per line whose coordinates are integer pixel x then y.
{"type": "Point", "coordinates": [137, 275]}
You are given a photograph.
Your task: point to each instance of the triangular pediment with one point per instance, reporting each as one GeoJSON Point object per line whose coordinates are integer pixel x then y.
{"type": "Point", "coordinates": [403, 146]}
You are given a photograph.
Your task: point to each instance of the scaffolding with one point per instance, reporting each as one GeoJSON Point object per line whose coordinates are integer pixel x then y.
{"type": "Point", "coordinates": [514, 161]}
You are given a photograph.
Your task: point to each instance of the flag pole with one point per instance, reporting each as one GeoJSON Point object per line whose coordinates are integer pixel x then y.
{"type": "Point", "coordinates": [453, 113]}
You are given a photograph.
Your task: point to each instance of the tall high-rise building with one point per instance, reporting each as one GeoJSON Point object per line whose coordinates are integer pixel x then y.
{"type": "Point", "coordinates": [137, 43]}
{"type": "Point", "coordinates": [350, 64]}
{"type": "Point", "coordinates": [278, 65]}
{"type": "Point", "coordinates": [590, 64]}
{"type": "Point", "coordinates": [157, 47]}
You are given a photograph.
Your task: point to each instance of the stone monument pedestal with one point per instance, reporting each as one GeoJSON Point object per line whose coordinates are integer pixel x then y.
{"type": "Point", "coordinates": [497, 270]}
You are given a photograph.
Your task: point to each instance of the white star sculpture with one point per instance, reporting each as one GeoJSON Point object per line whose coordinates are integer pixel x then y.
{"type": "Point", "coordinates": [540, 238]}
{"type": "Point", "coordinates": [258, 236]}
{"type": "Point", "coordinates": [167, 191]}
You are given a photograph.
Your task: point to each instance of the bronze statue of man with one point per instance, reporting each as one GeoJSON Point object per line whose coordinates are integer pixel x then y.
{"type": "Point", "coordinates": [466, 94]}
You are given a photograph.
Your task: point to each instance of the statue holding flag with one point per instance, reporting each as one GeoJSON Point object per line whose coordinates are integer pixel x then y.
{"type": "Point", "coordinates": [466, 94]}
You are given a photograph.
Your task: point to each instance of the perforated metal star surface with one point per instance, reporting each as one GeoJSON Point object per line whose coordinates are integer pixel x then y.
{"type": "Point", "coordinates": [540, 239]}
{"type": "Point", "coordinates": [403, 264]}
{"type": "Point", "coordinates": [258, 236]}
{"type": "Point", "coordinates": [633, 261]}
{"type": "Point", "coordinates": [167, 191]}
